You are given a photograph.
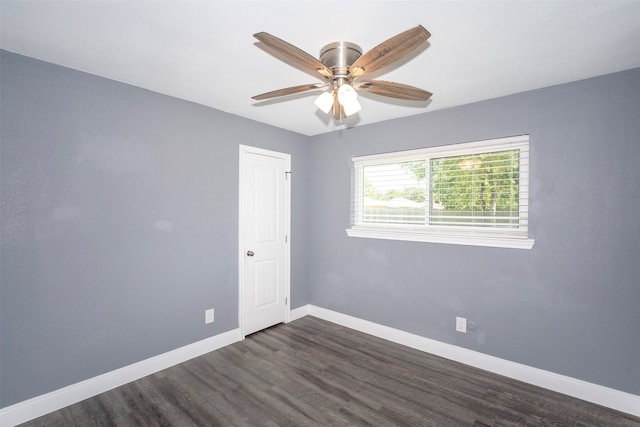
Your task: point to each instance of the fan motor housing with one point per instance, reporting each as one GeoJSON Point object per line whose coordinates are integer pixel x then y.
{"type": "Point", "coordinates": [339, 56]}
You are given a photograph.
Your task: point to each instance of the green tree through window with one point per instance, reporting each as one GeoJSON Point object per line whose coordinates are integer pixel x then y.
{"type": "Point", "coordinates": [481, 185]}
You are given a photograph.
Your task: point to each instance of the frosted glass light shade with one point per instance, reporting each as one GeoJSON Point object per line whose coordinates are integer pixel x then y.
{"type": "Point", "coordinates": [348, 98]}
{"type": "Point", "coordinates": [324, 102]}
{"type": "Point", "coordinates": [351, 107]}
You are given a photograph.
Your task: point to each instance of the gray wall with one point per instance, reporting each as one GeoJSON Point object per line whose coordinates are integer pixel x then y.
{"type": "Point", "coordinates": [119, 223]}
{"type": "Point", "coordinates": [93, 278]}
{"type": "Point", "coordinates": [571, 304]}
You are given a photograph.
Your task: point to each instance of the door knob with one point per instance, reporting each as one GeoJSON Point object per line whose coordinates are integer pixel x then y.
{"type": "Point", "coordinates": [249, 253]}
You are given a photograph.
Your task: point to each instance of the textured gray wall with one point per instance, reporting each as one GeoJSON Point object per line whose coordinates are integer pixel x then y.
{"type": "Point", "coordinates": [119, 223]}
{"type": "Point", "coordinates": [119, 228]}
{"type": "Point", "coordinates": [571, 304]}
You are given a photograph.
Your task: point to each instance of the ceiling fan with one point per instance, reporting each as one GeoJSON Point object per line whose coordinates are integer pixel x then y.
{"type": "Point", "coordinates": [342, 64]}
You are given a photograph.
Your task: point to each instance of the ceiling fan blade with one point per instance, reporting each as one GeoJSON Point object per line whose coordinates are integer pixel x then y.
{"type": "Point", "coordinates": [390, 51]}
{"type": "Point", "coordinates": [293, 53]}
{"type": "Point", "coordinates": [288, 91]}
{"type": "Point", "coordinates": [393, 90]}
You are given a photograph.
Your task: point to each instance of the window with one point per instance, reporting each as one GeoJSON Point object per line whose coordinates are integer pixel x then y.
{"type": "Point", "coordinates": [474, 193]}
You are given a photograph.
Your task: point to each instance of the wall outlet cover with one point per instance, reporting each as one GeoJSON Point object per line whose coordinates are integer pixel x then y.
{"type": "Point", "coordinates": [461, 324]}
{"type": "Point", "coordinates": [208, 316]}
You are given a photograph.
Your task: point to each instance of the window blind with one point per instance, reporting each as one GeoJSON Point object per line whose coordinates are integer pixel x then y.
{"type": "Point", "coordinates": [475, 188]}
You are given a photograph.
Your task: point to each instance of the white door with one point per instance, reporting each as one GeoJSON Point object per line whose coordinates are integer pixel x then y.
{"type": "Point", "coordinates": [264, 256]}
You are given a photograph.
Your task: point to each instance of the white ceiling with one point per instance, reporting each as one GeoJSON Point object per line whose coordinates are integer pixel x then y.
{"type": "Point", "coordinates": [204, 51]}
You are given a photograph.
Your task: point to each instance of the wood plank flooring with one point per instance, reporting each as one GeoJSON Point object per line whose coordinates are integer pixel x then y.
{"type": "Point", "coordinates": [314, 373]}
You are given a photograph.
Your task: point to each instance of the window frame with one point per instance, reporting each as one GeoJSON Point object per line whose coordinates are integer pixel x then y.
{"type": "Point", "coordinates": [473, 236]}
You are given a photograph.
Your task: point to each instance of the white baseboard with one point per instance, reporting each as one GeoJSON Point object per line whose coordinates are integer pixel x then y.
{"type": "Point", "coordinates": [41, 405]}
{"type": "Point", "coordinates": [46, 403]}
{"type": "Point", "coordinates": [611, 398]}
{"type": "Point", "coordinates": [299, 312]}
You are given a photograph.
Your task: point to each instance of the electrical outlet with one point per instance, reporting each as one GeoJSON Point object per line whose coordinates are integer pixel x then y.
{"type": "Point", "coordinates": [461, 324]}
{"type": "Point", "coordinates": [208, 316]}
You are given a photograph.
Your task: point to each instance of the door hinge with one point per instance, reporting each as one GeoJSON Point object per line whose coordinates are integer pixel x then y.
{"type": "Point", "coordinates": [286, 175]}
{"type": "Point", "coordinates": [286, 300]}
{"type": "Point", "coordinates": [286, 238]}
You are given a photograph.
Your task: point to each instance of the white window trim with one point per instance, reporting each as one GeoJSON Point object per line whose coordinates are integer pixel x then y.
{"type": "Point", "coordinates": [517, 239]}
{"type": "Point", "coordinates": [469, 240]}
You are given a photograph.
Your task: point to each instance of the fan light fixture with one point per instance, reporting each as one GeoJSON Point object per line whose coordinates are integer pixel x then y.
{"type": "Point", "coordinates": [347, 98]}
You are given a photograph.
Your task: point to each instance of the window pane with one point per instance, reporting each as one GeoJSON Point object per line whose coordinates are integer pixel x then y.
{"type": "Point", "coordinates": [478, 190]}
{"type": "Point", "coordinates": [394, 193]}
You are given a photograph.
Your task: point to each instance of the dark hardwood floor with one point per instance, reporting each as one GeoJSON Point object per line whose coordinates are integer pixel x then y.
{"type": "Point", "coordinates": [314, 373]}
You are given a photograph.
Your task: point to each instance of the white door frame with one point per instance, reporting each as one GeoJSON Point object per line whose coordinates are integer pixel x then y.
{"type": "Point", "coordinates": [241, 228]}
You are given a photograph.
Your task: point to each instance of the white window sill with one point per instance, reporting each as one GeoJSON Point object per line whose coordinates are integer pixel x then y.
{"type": "Point", "coordinates": [449, 238]}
